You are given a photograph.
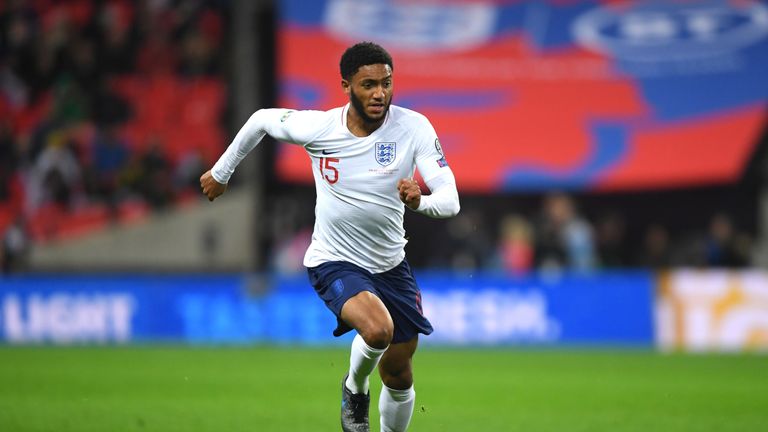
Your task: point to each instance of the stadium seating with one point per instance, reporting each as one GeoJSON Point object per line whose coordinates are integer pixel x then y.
{"type": "Point", "coordinates": [115, 65]}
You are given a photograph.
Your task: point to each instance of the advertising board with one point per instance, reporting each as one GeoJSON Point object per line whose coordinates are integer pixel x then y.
{"type": "Point", "coordinates": [710, 310]}
{"type": "Point", "coordinates": [583, 309]}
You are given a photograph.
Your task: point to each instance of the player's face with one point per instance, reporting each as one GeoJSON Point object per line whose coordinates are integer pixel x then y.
{"type": "Point", "coordinates": [370, 91]}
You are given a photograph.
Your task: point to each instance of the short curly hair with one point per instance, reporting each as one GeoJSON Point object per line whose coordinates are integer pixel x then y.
{"type": "Point", "coordinates": [362, 54]}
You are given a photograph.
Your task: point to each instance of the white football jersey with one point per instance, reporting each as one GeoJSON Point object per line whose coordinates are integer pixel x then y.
{"type": "Point", "coordinates": [358, 214]}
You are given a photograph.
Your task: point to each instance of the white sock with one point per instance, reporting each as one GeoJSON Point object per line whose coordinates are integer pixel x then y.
{"type": "Point", "coordinates": [362, 361]}
{"type": "Point", "coordinates": [396, 408]}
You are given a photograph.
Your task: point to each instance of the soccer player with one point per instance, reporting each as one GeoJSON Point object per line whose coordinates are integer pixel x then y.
{"type": "Point", "coordinates": [364, 155]}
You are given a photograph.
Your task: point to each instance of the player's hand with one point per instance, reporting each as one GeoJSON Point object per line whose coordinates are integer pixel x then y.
{"type": "Point", "coordinates": [211, 188]}
{"type": "Point", "coordinates": [410, 193]}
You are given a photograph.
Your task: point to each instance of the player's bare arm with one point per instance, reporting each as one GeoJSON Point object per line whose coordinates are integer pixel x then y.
{"type": "Point", "coordinates": [410, 193]}
{"type": "Point", "coordinates": [211, 188]}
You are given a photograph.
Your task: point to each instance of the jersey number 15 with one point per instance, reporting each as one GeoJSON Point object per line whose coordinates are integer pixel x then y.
{"type": "Point", "coordinates": [327, 167]}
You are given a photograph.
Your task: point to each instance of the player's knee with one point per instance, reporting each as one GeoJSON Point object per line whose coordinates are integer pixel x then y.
{"type": "Point", "coordinates": [378, 335]}
{"type": "Point", "coordinates": [400, 378]}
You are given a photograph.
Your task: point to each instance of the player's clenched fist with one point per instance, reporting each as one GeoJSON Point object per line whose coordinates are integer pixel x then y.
{"type": "Point", "coordinates": [211, 188]}
{"type": "Point", "coordinates": [410, 192]}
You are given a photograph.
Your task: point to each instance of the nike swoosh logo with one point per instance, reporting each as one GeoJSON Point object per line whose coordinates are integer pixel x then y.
{"type": "Point", "coordinates": [326, 152]}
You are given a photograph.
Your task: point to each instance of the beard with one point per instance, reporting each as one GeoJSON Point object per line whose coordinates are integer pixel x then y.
{"type": "Point", "coordinates": [358, 105]}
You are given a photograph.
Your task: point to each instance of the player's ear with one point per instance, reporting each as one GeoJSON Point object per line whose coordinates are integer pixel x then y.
{"type": "Point", "coordinates": [345, 85]}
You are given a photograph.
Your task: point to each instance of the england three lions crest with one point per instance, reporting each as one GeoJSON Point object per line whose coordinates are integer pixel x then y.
{"type": "Point", "coordinates": [385, 152]}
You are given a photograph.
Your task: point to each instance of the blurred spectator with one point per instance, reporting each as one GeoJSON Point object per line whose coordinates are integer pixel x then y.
{"type": "Point", "coordinates": [516, 245]}
{"type": "Point", "coordinates": [288, 232]}
{"type": "Point", "coordinates": [82, 63]}
{"type": "Point", "coordinates": [109, 162]}
{"type": "Point", "coordinates": [14, 247]}
{"type": "Point", "coordinates": [469, 245]}
{"type": "Point", "coordinates": [155, 179]}
{"type": "Point", "coordinates": [724, 246]}
{"type": "Point", "coordinates": [8, 159]}
{"type": "Point", "coordinates": [188, 170]}
{"type": "Point", "coordinates": [116, 37]}
{"type": "Point", "coordinates": [70, 104]}
{"type": "Point", "coordinates": [563, 238]}
{"type": "Point", "coordinates": [196, 56]}
{"type": "Point", "coordinates": [655, 252]}
{"type": "Point", "coordinates": [289, 252]}
{"type": "Point", "coordinates": [107, 106]}
{"type": "Point", "coordinates": [612, 245]}
{"type": "Point", "coordinates": [56, 177]}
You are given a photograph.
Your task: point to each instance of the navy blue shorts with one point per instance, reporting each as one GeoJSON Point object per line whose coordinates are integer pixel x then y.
{"type": "Point", "coordinates": [336, 282]}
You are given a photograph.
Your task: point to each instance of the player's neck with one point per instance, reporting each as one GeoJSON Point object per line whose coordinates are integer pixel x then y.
{"type": "Point", "coordinates": [360, 127]}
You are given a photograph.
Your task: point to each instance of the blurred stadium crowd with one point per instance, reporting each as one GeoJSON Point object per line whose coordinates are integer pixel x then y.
{"type": "Point", "coordinates": [88, 90]}
{"type": "Point", "coordinates": [111, 109]}
{"type": "Point", "coordinates": [555, 231]}
{"type": "Point", "coordinates": [559, 236]}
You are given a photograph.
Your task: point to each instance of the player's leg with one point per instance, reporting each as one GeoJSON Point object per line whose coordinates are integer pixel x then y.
{"type": "Point", "coordinates": [401, 295]}
{"type": "Point", "coordinates": [352, 294]}
{"type": "Point", "coordinates": [397, 393]}
{"type": "Point", "coordinates": [367, 314]}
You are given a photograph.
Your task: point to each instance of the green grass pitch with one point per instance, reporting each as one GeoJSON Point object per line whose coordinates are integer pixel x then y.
{"type": "Point", "coordinates": [161, 388]}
